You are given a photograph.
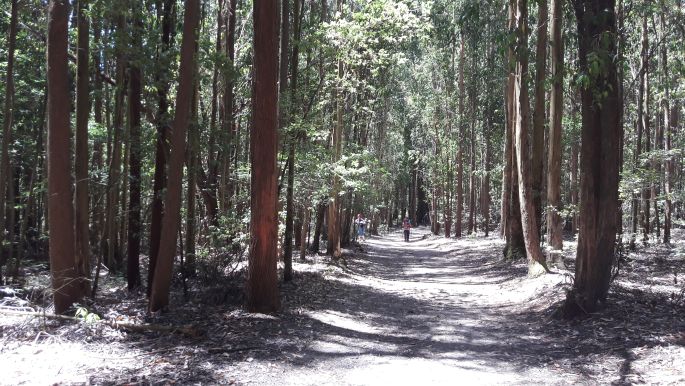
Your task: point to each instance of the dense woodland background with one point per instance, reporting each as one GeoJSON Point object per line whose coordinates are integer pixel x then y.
{"type": "Point", "coordinates": [172, 141]}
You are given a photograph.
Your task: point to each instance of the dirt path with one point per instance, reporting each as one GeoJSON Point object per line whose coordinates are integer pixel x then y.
{"type": "Point", "coordinates": [430, 311]}
{"type": "Point", "coordinates": [436, 311]}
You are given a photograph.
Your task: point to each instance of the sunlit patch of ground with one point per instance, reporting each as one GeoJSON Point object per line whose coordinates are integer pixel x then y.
{"type": "Point", "coordinates": [429, 311]}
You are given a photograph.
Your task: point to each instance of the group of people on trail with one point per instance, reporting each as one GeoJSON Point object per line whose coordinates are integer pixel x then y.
{"type": "Point", "coordinates": [361, 221]}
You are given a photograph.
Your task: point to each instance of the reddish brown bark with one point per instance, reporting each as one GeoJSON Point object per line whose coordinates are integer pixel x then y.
{"type": "Point", "coordinates": [599, 159]}
{"type": "Point", "coordinates": [81, 156]}
{"type": "Point", "coordinates": [134, 109]}
{"type": "Point", "coordinates": [65, 280]}
{"type": "Point", "coordinates": [159, 298]}
{"type": "Point", "coordinates": [262, 278]}
{"type": "Point", "coordinates": [8, 116]}
{"type": "Point", "coordinates": [161, 149]}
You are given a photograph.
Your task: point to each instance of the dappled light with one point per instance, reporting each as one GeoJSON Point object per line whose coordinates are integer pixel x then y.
{"type": "Point", "coordinates": [342, 192]}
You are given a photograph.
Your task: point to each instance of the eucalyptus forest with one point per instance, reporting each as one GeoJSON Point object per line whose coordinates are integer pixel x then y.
{"type": "Point", "coordinates": [216, 192]}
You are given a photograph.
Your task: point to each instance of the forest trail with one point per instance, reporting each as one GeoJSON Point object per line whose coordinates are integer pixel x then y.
{"type": "Point", "coordinates": [429, 311]}
{"type": "Point", "coordinates": [439, 311]}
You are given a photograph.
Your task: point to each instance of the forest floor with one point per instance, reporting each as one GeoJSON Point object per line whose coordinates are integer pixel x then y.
{"type": "Point", "coordinates": [430, 311]}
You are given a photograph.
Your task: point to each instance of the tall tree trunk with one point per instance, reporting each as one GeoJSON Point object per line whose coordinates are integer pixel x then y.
{"type": "Point", "coordinates": [159, 298]}
{"type": "Point", "coordinates": [123, 223]}
{"type": "Point", "coordinates": [669, 128]}
{"type": "Point", "coordinates": [192, 165]}
{"type": "Point", "coordinates": [334, 226]}
{"type": "Point", "coordinates": [134, 109]}
{"type": "Point", "coordinates": [283, 121]}
{"type": "Point", "coordinates": [472, 151]}
{"type": "Point", "coordinates": [65, 279]}
{"type": "Point", "coordinates": [515, 245]}
{"type": "Point", "coordinates": [460, 150]}
{"type": "Point", "coordinates": [599, 158]}
{"type": "Point", "coordinates": [538, 135]}
{"type": "Point", "coordinates": [620, 9]}
{"type": "Point", "coordinates": [161, 149]}
{"type": "Point", "coordinates": [230, 151]}
{"type": "Point", "coordinates": [208, 181]}
{"type": "Point", "coordinates": [81, 157]}
{"type": "Point", "coordinates": [643, 116]}
{"type": "Point", "coordinates": [114, 175]}
{"type": "Point", "coordinates": [262, 275]}
{"type": "Point", "coordinates": [531, 236]}
{"type": "Point", "coordinates": [8, 116]}
{"type": "Point", "coordinates": [556, 109]}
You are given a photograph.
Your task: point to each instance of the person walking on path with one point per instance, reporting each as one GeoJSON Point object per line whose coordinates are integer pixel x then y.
{"type": "Point", "coordinates": [406, 225]}
{"type": "Point", "coordinates": [360, 221]}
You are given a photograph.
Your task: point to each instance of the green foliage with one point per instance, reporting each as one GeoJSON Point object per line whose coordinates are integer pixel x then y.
{"type": "Point", "coordinates": [86, 316]}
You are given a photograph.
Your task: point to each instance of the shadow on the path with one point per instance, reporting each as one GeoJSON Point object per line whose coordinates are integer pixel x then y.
{"type": "Point", "coordinates": [416, 300]}
{"type": "Point", "coordinates": [347, 319]}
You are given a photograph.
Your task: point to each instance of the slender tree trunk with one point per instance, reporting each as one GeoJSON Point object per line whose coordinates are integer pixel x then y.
{"type": "Point", "coordinates": [538, 135]}
{"type": "Point", "coordinates": [485, 190]}
{"type": "Point", "coordinates": [192, 165]}
{"type": "Point", "coordinates": [460, 150]}
{"type": "Point", "coordinates": [643, 116]}
{"type": "Point", "coordinates": [334, 226]}
{"type": "Point", "coordinates": [96, 190]}
{"type": "Point", "coordinates": [159, 297]}
{"type": "Point", "coordinates": [531, 236]}
{"type": "Point", "coordinates": [573, 165]}
{"type": "Point", "coordinates": [556, 109]}
{"type": "Point", "coordinates": [669, 129]}
{"type": "Point", "coordinates": [114, 175]}
{"type": "Point", "coordinates": [161, 148]}
{"type": "Point", "coordinates": [208, 181]}
{"type": "Point", "coordinates": [262, 276]}
{"type": "Point", "coordinates": [12, 193]}
{"type": "Point", "coordinates": [230, 153]}
{"type": "Point", "coordinates": [297, 227]}
{"type": "Point", "coordinates": [123, 223]}
{"type": "Point", "coordinates": [284, 117]}
{"type": "Point", "coordinates": [515, 245]}
{"type": "Point", "coordinates": [81, 157]}
{"type": "Point", "coordinates": [288, 237]}
{"type": "Point", "coordinates": [8, 116]}
{"type": "Point", "coordinates": [134, 109]}
{"type": "Point", "coordinates": [599, 159]}
{"type": "Point", "coordinates": [65, 279]}
{"type": "Point", "coordinates": [472, 169]}
{"type": "Point", "coordinates": [318, 224]}
{"type": "Point", "coordinates": [304, 230]}
{"type": "Point", "coordinates": [621, 97]}
{"type": "Point", "coordinates": [507, 166]}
